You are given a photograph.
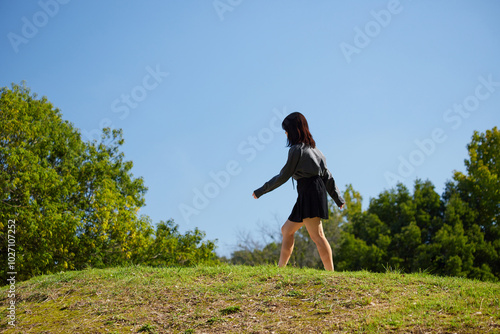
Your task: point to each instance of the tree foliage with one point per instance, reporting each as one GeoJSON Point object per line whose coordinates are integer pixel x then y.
{"type": "Point", "coordinates": [171, 248]}
{"type": "Point", "coordinates": [478, 195]}
{"type": "Point", "coordinates": [75, 203]}
{"type": "Point", "coordinates": [455, 234]}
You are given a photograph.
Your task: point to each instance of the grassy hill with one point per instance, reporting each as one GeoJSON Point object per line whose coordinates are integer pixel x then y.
{"type": "Point", "coordinates": [239, 299]}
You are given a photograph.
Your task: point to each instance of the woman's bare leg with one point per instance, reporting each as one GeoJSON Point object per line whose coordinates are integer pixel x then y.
{"type": "Point", "coordinates": [315, 229]}
{"type": "Point", "coordinates": [288, 230]}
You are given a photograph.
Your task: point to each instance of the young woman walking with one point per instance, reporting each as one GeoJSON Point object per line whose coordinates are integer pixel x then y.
{"type": "Point", "coordinates": [307, 165]}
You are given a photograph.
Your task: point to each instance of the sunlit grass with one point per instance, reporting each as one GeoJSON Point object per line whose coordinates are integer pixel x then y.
{"type": "Point", "coordinates": [251, 299]}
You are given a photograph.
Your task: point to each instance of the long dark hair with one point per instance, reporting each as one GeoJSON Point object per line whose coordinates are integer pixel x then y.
{"type": "Point", "coordinates": [298, 130]}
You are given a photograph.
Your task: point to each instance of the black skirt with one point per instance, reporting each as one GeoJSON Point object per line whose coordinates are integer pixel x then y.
{"type": "Point", "coordinates": [311, 200]}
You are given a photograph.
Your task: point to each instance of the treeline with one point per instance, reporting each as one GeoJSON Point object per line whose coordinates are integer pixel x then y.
{"type": "Point", "coordinates": [69, 204]}
{"type": "Point", "coordinates": [453, 234]}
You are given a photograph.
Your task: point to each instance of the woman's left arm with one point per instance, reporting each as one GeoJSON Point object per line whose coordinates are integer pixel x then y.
{"type": "Point", "coordinates": [332, 188]}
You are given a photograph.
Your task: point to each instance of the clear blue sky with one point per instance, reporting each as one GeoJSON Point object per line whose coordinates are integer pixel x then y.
{"type": "Point", "coordinates": [391, 89]}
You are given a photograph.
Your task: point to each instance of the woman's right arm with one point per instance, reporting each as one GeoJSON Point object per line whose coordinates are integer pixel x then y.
{"type": "Point", "coordinates": [286, 172]}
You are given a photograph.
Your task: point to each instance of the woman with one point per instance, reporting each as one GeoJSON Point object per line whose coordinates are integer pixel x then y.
{"type": "Point", "coordinates": [307, 165]}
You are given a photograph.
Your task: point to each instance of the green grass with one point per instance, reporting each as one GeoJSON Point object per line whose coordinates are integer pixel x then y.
{"type": "Point", "coordinates": [239, 299]}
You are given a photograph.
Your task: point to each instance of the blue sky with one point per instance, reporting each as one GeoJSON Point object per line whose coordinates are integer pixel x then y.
{"type": "Point", "coordinates": [392, 90]}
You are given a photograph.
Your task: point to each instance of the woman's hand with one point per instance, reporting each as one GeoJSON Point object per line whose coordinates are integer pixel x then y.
{"type": "Point", "coordinates": [343, 206]}
{"type": "Point", "coordinates": [254, 196]}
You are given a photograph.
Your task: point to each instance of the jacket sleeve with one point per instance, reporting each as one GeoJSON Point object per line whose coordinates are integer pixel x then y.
{"type": "Point", "coordinates": [286, 172]}
{"type": "Point", "coordinates": [332, 188]}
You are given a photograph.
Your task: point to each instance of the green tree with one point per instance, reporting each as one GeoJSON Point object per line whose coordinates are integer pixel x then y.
{"type": "Point", "coordinates": [362, 238]}
{"type": "Point", "coordinates": [355, 254]}
{"type": "Point", "coordinates": [394, 207]}
{"type": "Point", "coordinates": [171, 248]}
{"type": "Point", "coordinates": [396, 210]}
{"type": "Point", "coordinates": [75, 203]}
{"type": "Point", "coordinates": [39, 158]}
{"type": "Point", "coordinates": [451, 253]}
{"type": "Point", "coordinates": [429, 209]}
{"type": "Point", "coordinates": [480, 187]}
{"type": "Point", "coordinates": [479, 191]}
{"type": "Point", "coordinates": [391, 231]}
{"type": "Point", "coordinates": [269, 254]}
